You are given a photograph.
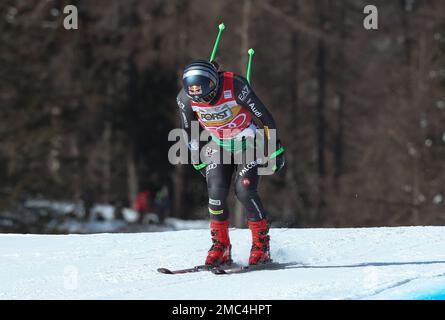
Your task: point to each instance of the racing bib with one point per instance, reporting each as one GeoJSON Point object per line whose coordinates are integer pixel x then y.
{"type": "Point", "coordinates": [225, 119]}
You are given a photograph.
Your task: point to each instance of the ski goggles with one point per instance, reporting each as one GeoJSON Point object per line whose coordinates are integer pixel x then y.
{"type": "Point", "coordinates": [204, 99]}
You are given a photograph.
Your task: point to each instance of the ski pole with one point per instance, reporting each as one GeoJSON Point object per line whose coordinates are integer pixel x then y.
{"type": "Point", "coordinates": [251, 52]}
{"type": "Point", "coordinates": [215, 47]}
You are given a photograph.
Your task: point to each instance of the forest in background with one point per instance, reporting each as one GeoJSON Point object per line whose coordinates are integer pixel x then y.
{"type": "Point", "coordinates": [86, 113]}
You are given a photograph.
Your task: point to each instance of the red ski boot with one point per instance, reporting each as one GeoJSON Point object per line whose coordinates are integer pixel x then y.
{"type": "Point", "coordinates": [219, 253]}
{"type": "Point", "coordinates": [260, 252]}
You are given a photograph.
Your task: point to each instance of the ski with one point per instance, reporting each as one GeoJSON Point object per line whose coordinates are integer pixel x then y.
{"type": "Point", "coordinates": [258, 267]}
{"type": "Point", "coordinates": [198, 268]}
{"type": "Point", "coordinates": [186, 270]}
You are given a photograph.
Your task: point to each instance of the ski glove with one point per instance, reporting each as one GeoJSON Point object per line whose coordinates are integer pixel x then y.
{"type": "Point", "coordinates": [201, 168]}
{"type": "Point", "coordinates": [279, 157]}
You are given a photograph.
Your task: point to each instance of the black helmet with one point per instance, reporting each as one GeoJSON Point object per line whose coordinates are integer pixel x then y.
{"type": "Point", "coordinates": [200, 81]}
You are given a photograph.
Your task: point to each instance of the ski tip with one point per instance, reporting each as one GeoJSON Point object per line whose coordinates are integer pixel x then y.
{"type": "Point", "coordinates": [164, 270]}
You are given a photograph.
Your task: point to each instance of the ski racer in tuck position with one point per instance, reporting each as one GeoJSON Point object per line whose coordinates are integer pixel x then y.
{"type": "Point", "coordinates": [226, 107]}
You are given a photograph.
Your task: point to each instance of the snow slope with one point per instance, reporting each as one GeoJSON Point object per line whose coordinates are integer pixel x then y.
{"type": "Point", "coordinates": [368, 263]}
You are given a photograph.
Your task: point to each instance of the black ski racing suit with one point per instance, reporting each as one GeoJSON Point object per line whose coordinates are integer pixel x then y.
{"type": "Point", "coordinates": [218, 175]}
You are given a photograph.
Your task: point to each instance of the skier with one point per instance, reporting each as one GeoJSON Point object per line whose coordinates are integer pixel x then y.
{"type": "Point", "coordinates": [225, 105]}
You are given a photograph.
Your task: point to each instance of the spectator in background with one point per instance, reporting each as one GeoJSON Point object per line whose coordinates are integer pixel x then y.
{"type": "Point", "coordinates": [142, 204]}
{"type": "Point", "coordinates": [119, 210]}
{"type": "Point", "coordinates": [88, 202]}
{"type": "Point", "coordinates": [162, 203]}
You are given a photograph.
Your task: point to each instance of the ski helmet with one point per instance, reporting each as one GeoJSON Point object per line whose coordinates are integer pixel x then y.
{"type": "Point", "coordinates": [200, 81]}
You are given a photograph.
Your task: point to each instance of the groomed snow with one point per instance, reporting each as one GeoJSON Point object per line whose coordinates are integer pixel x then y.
{"type": "Point", "coordinates": [368, 263]}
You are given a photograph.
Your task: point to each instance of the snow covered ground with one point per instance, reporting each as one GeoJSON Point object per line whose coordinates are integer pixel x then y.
{"type": "Point", "coordinates": [368, 263]}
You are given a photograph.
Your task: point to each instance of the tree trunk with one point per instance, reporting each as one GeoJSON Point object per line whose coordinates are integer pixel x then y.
{"type": "Point", "coordinates": [55, 145]}
{"type": "Point", "coordinates": [320, 121]}
{"type": "Point", "coordinates": [132, 177]}
{"type": "Point", "coordinates": [75, 154]}
{"type": "Point", "coordinates": [338, 140]}
{"type": "Point", "coordinates": [179, 176]}
{"type": "Point", "coordinates": [106, 165]}
{"type": "Point", "coordinates": [417, 75]}
{"type": "Point", "coordinates": [293, 212]}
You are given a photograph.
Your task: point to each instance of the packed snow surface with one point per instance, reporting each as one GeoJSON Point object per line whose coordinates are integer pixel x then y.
{"type": "Point", "coordinates": [365, 263]}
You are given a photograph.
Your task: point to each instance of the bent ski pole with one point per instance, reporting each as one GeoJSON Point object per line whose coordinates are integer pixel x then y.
{"type": "Point", "coordinates": [251, 52]}
{"type": "Point", "coordinates": [215, 47]}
